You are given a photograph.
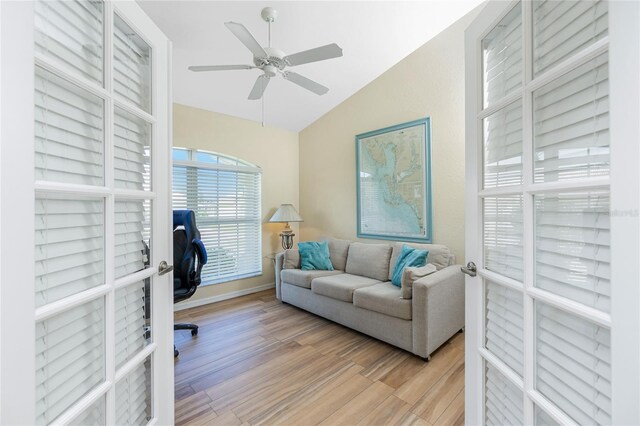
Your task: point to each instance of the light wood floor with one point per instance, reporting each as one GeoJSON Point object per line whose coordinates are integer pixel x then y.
{"type": "Point", "coordinates": [257, 361]}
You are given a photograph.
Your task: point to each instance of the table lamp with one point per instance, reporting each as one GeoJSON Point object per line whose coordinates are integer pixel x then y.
{"type": "Point", "coordinates": [286, 213]}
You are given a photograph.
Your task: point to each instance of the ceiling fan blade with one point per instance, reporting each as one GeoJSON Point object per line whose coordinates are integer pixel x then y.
{"type": "Point", "coordinates": [259, 87]}
{"type": "Point", "coordinates": [243, 34]}
{"type": "Point", "coordinates": [198, 68]}
{"type": "Point", "coordinates": [301, 81]}
{"type": "Point", "coordinates": [314, 55]}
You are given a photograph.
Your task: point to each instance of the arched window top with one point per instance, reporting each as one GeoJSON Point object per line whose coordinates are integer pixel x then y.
{"type": "Point", "coordinates": [211, 158]}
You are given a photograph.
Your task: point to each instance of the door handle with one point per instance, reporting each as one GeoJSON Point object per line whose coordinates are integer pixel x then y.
{"type": "Point", "coordinates": [164, 268]}
{"type": "Point", "coordinates": [470, 269]}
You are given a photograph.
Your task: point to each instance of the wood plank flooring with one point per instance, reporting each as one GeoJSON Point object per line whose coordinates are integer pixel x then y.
{"type": "Point", "coordinates": [256, 361]}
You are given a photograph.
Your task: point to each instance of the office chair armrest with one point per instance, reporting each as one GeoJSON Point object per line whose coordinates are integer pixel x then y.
{"type": "Point", "coordinates": [201, 251]}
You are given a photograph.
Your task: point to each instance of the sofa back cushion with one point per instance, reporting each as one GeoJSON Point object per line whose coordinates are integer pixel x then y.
{"type": "Point", "coordinates": [369, 260]}
{"type": "Point", "coordinates": [291, 259]}
{"type": "Point", "coordinates": [338, 251]}
{"type": "Point", "coordinates": [439, 255]}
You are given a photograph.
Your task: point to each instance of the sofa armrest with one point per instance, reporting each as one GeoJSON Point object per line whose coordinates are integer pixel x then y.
{"type": "Point", "coordinates": [438, 309]}
{"type": "Point", "coordinates": [279, 267]}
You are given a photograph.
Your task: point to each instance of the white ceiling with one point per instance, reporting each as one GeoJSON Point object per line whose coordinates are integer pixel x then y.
{"type": "Point", "coordinates": [374, 35]}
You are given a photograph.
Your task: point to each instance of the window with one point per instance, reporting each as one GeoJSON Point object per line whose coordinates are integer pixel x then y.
{"type": "Point", "coordinates": [224, 192]}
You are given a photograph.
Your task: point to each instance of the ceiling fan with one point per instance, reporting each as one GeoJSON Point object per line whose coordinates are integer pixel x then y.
{"type": "Point", "coordinates": [272, 61]}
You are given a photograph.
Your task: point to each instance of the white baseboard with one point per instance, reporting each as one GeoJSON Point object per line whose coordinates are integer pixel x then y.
{"type": "Point", "coordinates": [220, 297]}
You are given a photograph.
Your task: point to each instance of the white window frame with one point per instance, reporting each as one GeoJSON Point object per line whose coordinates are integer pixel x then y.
{"type": "Point", "coordinates": [241, 166]}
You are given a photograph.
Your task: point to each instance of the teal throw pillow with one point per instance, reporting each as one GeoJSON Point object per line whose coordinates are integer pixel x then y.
{"type": "Point", "coordinates": [314, 256]}
{"type": "Point", "coordinates": [409, 257]}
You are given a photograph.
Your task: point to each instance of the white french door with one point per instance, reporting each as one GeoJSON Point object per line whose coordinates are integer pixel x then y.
{"type": "Point", "coordinates": [552, 197]}
{"type": "Point", "coordinates": [86, 308]}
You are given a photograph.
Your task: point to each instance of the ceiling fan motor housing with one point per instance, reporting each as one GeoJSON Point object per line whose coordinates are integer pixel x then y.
{"type": "Point", "coordinates": [275, 57]}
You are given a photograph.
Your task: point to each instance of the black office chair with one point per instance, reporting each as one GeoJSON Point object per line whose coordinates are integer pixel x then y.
{"type": "Point", "coordinates": [189, 256]}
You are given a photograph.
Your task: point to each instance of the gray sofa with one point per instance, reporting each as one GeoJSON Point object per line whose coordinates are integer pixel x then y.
{"type": "Point", "coordinates": [359, 294]}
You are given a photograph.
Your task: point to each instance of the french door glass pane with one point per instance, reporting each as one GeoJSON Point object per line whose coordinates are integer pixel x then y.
{"type": "Point", "coordinates": [92, 416]}
{"type": "Point", "coordinates": [71, 33]}
{"type": "Point", "coordinates": [133, 306]}
{"type": "Point", "coordinates": [503, 235]}
{"type": "Point", "coordinates": [562, 28]}
{"type": "Point", "coordinates": [132, 239]}
{"type": "Point", "coordinates": [503, 327]}
{"type": "Point", "coordinates": [69, 130]}
{"type": "Point", "coordinates": [503, 147]}
{"type": "Point", "coordinates": [502, 57]}
{"type": "Point", "coordinates": [131, 65]}
{"type": "Point", "coordinates": [572, 246]}
{"type": "Point", "coordinates": [503, 400]}
{"type": "Point", "coordinates": [70, 358]}
{"type": "Point", "coordinates": [69, 247]}
{"type": "Point", "coordinates": [571, 124]}
{"type": "Point", "coordinates": [543, 419]}
{"type": "Point", "coordinates": [133, 396]}
{"type": "Point", "coordinates": [573, 364]}
{"type": "Point", "coordinates": [132, 140]}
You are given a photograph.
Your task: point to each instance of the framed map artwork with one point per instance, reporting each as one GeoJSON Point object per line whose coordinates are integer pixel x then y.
{"type": "Point", "coordinates": [393, 175]}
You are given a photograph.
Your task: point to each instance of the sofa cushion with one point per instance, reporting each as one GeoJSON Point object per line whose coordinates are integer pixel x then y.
{"type": "Point", "coordinates": [409, 257]}
{"type": "Point", "coordinates": [439, 255]}
{"type": "Point", "coordinates": [384, 298]}
{"type": "Point", "coordinates": [411, 275]}
{"type": "Point", "coordinates": [291, 259]}
{"type": "Point", "coordinates": [315, 256]}
{"type": "Point", "coordinates": [369, 260]}
{"type": "Point", "coordinates": [338, 250]}
{"type": "Point", "coordinates": [302, 278]}
{"type": "Point", "coordinates": [340, 287]}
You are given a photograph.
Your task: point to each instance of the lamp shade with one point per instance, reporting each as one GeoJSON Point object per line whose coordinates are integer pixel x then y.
{"type": "Point", "coordinates": [286, 213]}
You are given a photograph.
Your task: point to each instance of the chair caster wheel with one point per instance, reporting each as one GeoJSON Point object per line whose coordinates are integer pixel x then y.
{"type": "Point", "coordinates": [194, 332]}
{"type": "Point", "coordinates": [175, 352]}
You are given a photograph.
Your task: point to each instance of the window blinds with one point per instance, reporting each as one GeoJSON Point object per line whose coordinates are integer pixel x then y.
{"type": "Point", "coordinates": [69, 251]}
{"type": "Point", "coordinates": [131, 245]}
{"type": "Point", "coordinates": [69, 358]}
{"type": "Point", "coordinates": [573, 364]}
{"type": "Point", "coordinates": [562, 28]}
{"type": "Point", "coordinates": [571, 124]}
{"type": "Point", "coordinates": [133, 403]}
{"type": "Point", "coordinates": [131, 307]}
{"type": "Point", "coordinates": [69, 131]}
{"type": "Point", "coordinates": [572, 246]}
{"type": "Point", "coordinates": [503, 400]}
{"type": "Point", "coordinates": [502, 50]}
{"type": "Point", "coordinates": [503, 147]}
{"type": "Point", "coordinates": [503, 235]}
{"type": "Point", "coordinates": [503, 329]}
{"type": "Point", "coordinates": [132, 152]}
{"type": "Point", "coordinates": [92, 416]}
{"type": "Point", "coordinates": [71, 33]}
{"type": "Point", "coordinates": [227, 207]}
{"type": "Point", "coordinates": [131, 65]}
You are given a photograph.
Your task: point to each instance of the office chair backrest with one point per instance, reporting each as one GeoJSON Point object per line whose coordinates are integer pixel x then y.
{"type": "Point", "coordinates": [189, 254]}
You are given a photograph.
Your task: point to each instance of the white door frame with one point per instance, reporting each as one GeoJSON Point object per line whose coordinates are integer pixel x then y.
{"type": "Point", "coordinates": [624, 182]}
{"type": "Point", "coordinates": [17, 193]}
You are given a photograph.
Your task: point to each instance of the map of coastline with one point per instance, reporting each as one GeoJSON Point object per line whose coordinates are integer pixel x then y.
{"type": "Point", "coordinates": [392, 183]}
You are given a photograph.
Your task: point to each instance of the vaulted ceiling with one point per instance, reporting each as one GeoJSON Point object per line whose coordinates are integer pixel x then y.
{"type": "Point", "coordinates": [374, 35]}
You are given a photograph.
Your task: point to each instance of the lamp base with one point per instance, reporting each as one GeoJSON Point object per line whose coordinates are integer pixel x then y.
{"type": "Point", "coordinates": [287, 239]}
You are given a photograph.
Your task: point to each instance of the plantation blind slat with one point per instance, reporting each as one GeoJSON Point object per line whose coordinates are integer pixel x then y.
{"type": "Point", "coordinates": [131, 240]}
{"type": "Point", "coordinates": [69, 131]}
{"type": "Point", "coordinates": [71, 33]}
{"type": "Point", "coordinates": [573, 364]}
{"type": "Point", "coordinates": [503, 329]}
{"type": "Point", "coordinates": [69, 358]}
{"type": "Point", "coordinates": [133, 399]}
{"type": "Point", "coordinates": [132, 152]}
{"type": "Point", "coordinates": [503, 147]}
{"type": "Point", "coordinates": [131, 322]}
{"type": "Point", "coordinates": [227, 205]}
{"type": "Point", "coordinates": [503, 400]}
{"type": "Point", "coordinates": [131, 65]}
{"type": "Point", "coordinates": [572, 246]}
{"type": "Point", "coordinates": [503, 236]}
{"type": "Point", "coordinates": [92, 416]}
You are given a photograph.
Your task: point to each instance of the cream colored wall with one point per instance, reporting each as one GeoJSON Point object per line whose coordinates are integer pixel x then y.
{"type": "Point", "coordinates": [274, 150]}
{"type": "Point", "coordinates": [429, 82]}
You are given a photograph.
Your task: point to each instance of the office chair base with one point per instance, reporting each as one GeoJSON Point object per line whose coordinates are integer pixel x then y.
{"type": "Point", "coordinates": [182, 326]}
